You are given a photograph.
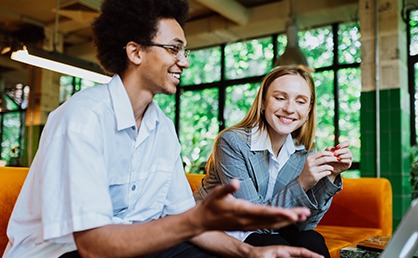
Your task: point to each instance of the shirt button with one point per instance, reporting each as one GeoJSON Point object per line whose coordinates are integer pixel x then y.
{"type": "Point", "coordinates": [133, 187]}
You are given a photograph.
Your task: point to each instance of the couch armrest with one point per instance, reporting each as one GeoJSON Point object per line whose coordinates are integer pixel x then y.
{"type": "Point", "coordinates": [363, 202]}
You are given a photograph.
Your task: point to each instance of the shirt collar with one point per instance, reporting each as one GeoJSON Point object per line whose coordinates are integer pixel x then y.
{"type": "Point", "coordinates": [123, 108]}
{"type": "Point", "coordinates": [260, 141]}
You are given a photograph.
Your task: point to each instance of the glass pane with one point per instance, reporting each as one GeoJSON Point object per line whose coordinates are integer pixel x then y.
{"type": "Point", "coordinates": [10, 104]}
{"type": "Point", "coordinates": [413, 22]}
{"type": "Point", "coordinates": [16, 96]}
{"type": "Point", "coordinates": [349, 43]}
{"type": "Point", "coordinates": [248, 58]}
{"type": "Point", "coordinates": [70, 85]}
{"type": "Point", "coordinates": [351, 174]}
{"type": "Point", "coordinates": [317, 45]}
{"type": "Point", "coordinates": [66, 87]}
{"type": "Point", "coordinates": [281, 44]}
{"type": "Point", "coordinates": [10, 146]}
{"type": "Point", "coordinates": [84, 84]}
{"type": "Point", "coordinates": [198, 126]}
{"type": "Point", "coordinates": [416, 98]}
{"type": "Point", "coordinates": [324, 109]}
{"type": "Point", "coordinates": [205, 67]}
{"type": "Point", "coordinates": [167, 104]}
{"type": "Point", "coordinates": [238, 101]}
{"type": "Point", "coordinates": [349, 107]}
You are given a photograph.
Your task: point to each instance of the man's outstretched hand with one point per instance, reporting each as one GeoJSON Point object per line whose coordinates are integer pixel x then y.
{"type": "Point", "coordinates": [221, 211]}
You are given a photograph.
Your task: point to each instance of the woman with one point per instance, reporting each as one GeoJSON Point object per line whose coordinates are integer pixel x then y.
{"type": "Point", "coordinates": [271, 151]}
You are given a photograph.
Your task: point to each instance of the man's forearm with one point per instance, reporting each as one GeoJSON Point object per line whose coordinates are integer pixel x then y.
{"type": "Point", "coordinates": [137, 239]}
{"type": "Point", "coordinates": [222, 244]}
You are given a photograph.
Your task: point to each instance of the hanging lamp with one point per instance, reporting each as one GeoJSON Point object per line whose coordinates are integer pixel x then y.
{"type": "Point", "coordinates": [292, 54]}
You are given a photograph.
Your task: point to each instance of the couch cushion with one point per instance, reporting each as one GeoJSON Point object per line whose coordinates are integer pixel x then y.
{"type": "Point", "coordinates": [11, 180]}
{"type": "Point", "coordinates": [338, 237]}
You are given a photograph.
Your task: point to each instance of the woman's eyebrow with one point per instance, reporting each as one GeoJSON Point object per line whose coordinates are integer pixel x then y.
{"type": "Point", "coordinates": [285, 93]}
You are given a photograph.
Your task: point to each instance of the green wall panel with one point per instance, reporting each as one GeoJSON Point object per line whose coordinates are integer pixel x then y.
{"type": "Point", "coordinates": [394, 144]}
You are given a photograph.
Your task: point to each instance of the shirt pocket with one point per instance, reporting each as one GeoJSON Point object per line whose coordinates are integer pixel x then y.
{"type": "Point", "coordinates": [119, 194]}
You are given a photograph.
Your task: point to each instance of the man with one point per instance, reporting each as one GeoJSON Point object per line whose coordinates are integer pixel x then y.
{"type": "Point", "coordinates": [107, 180]}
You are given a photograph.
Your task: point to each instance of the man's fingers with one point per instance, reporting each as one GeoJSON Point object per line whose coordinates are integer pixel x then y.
{"type": "Point", "coordinates": [223, 190]}
{"type": "Point", "coordinates": [307, 254]}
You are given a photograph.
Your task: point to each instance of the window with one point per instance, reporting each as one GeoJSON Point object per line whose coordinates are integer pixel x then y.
{"type": "Point", "coordinates": [12, 124]}
{"type": "Point", "coordinates": [70, 85]}
{"type": "Point", "coordinates": [412, 30]}
{"type": "Point", "coordinates": [220, 85]}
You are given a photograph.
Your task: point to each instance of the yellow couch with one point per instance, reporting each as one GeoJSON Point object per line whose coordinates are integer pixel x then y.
{"type": "Point", "coordinates": [361, 210]}
{"type": "Point", "coordinates": [11, 180]}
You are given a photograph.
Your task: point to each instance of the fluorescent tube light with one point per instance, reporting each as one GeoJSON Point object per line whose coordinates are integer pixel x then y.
{"type": "Point", "coordinates": [60, 63]}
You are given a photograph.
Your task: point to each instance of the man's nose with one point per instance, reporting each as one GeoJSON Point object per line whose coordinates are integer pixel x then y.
{"type": "Point", "coordinates": [183, 62]}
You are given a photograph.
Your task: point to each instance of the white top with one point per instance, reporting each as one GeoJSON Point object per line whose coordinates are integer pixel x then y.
{"type": "Point", "coordinates": [92, 169]}
{"type": "Point", "coordinates": [276, 163]}
{"type": "Point", "coordinates": [260, 141]}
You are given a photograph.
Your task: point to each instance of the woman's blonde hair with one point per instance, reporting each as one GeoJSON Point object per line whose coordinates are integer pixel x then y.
{"type": "Point", "coordinates": [255, 117]}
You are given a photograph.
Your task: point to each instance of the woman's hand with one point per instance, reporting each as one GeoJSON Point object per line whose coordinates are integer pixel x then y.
{"type": "Point", "coordinates": [344, 157]}
{"type": "Point", "coordinates": [317, 166]}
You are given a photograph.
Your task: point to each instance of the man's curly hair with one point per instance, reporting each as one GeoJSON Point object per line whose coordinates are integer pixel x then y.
{"type": "Point", "coordinates": [122, 21]}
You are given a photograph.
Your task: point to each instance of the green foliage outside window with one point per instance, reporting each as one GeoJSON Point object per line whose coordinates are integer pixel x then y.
{"type": "Point", "coordinates": [11, 129]}
{"type": "Point", "coordinates": [66, 88]}
{"type": "Point", "coordinates": [413, 22]}
{"type": "Point", "coordinates": [248, 58]}
{"type": "Point", "coordinates": [349, 95]}
{"type": "Point", "coordinates": [349, 43]}
{"type": "Point", "coordinates": [70, 85]}
{"type": "Point", "coordinates": [254, 57]}
{"type": "Point", "coordinates": [281, 44]}
{"type": "Point", "coordinates": [205, 67]}
{"type": "Point", "coordinates": [167, 104]}
{"type": "Point", "coordinates": [413, 50]}
{"type": "Point", "coordinates": [199, 109]}
{"type": "Point", "coordinates": [238, 101]}
{"type": "Point", "coordinates": [198, 126]}
{"type": "Point", "coordinates": [11, 145]}
{"type": "Point", "coordinates": [324, 109]}
{"type": "Point", "coordinates": [317, 45]}
{"type": "Point", "coordinates": [416, 98]}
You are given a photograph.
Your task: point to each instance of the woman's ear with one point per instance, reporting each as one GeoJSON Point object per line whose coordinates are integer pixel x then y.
{"type": "Point", "coordinates": [134, 52]}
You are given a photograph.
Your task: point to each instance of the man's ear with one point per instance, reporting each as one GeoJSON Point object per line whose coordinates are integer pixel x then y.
{"type": "Point", "coordinates": [134, 52]}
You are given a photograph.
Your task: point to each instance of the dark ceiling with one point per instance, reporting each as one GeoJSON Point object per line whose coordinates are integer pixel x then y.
{"type": "Point", "coordinates": [211, 22]}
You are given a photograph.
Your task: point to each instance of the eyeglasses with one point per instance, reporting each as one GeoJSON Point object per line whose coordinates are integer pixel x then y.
{"type": "Point", "coordinates": [179, 51]}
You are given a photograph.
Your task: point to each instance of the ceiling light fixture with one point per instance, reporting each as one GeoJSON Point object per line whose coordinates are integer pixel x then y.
{"type": "Point", "coordinates": [292, 54]}
{"type": "Point", "coordinates": [61, 63]}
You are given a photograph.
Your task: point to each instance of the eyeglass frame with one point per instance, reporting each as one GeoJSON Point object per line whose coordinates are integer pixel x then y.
{"type": "Point", "coordinates": [179, 52]}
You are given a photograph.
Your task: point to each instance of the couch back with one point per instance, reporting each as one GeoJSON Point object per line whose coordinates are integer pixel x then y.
{"type": "Point", "coordinates": [11, 181]}
{"type": "Point", "coordinates": [194, 180]}
{"type": "Point", "coordinates": [363, 202]}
